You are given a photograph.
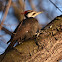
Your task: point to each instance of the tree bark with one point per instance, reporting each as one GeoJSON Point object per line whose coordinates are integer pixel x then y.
{"type": "Point", "coordinates": [50, 46]}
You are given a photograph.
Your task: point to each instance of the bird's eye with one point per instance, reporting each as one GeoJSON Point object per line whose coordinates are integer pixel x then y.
{"type": "Point", "coordinates": [33, 13]}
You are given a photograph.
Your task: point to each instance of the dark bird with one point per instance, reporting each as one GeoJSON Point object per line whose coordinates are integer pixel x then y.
{"type": "Point", "coordinates": [26, 30]}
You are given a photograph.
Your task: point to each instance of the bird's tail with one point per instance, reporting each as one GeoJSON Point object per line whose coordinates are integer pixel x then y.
{"type": "Point", "coordinates": [8, 42]}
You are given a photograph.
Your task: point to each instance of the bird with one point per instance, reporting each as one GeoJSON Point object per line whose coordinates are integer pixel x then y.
{"type": "Point", "coordinates": [26, 30]}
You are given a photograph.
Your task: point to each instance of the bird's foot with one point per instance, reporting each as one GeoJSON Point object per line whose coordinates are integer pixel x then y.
{"type": "Point", "coordinates": [20, 42]}
{"type": "Point", "coordinates": [37, 34]}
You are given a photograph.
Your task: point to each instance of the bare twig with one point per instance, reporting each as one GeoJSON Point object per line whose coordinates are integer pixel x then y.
{"type": "Point", "coordinates": [22, 5]}
{"type": "Point", "coordinates": [18, 9]}
{"type": "Point", "coordinates": [6, 31]}
{"type": "Point", "coordinates": [55, 6]}
{"type": "Point", "coordinates": [5, 14]}
{"type": "Point", "coordinates": [32, 5]}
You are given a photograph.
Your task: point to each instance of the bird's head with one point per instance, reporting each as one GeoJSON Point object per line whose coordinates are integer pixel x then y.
{"type": "Point", "coordinates": [31, 13]}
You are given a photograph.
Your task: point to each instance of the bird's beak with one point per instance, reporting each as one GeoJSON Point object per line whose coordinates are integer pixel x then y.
{"type": "Point", "coordinates": [39, 12]}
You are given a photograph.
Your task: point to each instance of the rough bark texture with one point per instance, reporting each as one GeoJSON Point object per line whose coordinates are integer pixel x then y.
{"type": "Point", "coordinates": [50, 46]}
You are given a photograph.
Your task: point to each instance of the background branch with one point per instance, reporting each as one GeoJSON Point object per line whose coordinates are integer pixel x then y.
{"type": "Point", "coordinates": [5, 14]}
{"type": "Point", "coordinates": [55, 6]}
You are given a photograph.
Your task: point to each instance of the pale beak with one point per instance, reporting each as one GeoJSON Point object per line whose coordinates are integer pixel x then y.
{"type": "Point", "coordinates": [37, 13]}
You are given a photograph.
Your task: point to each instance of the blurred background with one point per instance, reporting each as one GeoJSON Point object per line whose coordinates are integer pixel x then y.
{"type": "Point", "coordinates": [50, 8]}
